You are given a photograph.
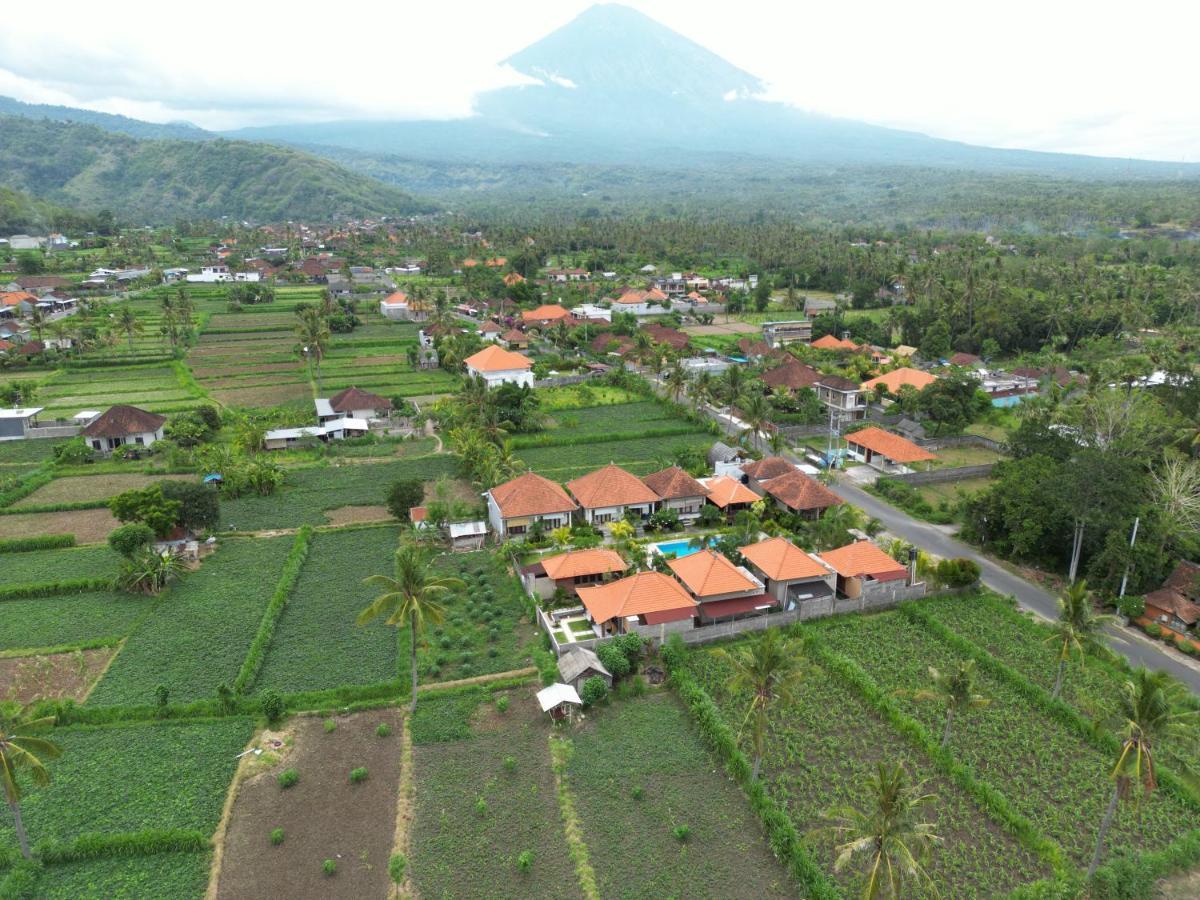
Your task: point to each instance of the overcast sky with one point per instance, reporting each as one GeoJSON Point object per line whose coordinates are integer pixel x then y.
{"type": "Point", "coordinates": [1087, 77]}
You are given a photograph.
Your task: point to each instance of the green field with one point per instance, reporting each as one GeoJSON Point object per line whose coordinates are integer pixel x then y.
{"type": "Point", "coordinates": [69, 563]}
{"type": "Point", "coordinates": [126, 878]}
{"type": "Point", "coordinates": [67, 619]}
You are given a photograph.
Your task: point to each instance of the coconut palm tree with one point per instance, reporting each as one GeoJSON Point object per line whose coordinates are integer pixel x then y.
{"type": "Point", "coordinates": [413, 596]}
{"type": "Point", "coordinates": [891, 832]}
{"type": "Point", "coordinates": [37, 321]}
{"type": "Point", "coordinates": [676, 381]}
{"type": "Point", "coordinates": [1077, 629]}
{"type": "Point", "coordinates": [769, 669]}
{"type": "Point", "coordinates": [127, 321]}
{"type": "Point", "coordinates": [312, 333]}
{"type": "Point", "coordinates": [20, 748]}
{"type": "Point", "coordinates": [1154, 723]}
{"type": "Point", "coordinates": [734, 380]}
{"type": "Point", "coordinates": [756, 412]}
{"type": "Point", "coordinates": [955, 690]}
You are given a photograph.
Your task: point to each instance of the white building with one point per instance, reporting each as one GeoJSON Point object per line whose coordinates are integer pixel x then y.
{"type": "Point", "coordinates": [498, 366]}
{"type": "Point", "coordinates": [122, 425]}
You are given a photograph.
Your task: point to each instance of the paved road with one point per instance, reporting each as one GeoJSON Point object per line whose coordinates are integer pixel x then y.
{"type": "Point", "coordinates": [1137, 649]}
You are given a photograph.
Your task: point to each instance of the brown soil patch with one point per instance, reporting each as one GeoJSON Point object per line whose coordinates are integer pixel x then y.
{"type": "Point", "coordinates": [230, 371]}
{"type": "Point", "coordinates": [722, 328]}
{"type": "Point", "coordinates": [352, 515]}
{"type": "Point", "coordinates": [90, 526]}
{"type": "Point", "coordinates": [59, 676]}
{"type": "Point", "coordinates": [92, 487]}
{"type": "Point", "coordinates": [1185, 886]}
{"type": "Point", "coordinates": [323, 816]}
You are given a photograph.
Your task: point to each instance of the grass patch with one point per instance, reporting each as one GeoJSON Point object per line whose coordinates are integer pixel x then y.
{"type": "Point", "coordinates": [40, 566]}
{"type": "Point", "coordinates": [159, 875]}
{"type": "Point", "coordinates": [70, 619]}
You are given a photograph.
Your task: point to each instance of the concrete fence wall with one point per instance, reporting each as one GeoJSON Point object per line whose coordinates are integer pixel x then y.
{"type": "Point", "coordinates": [53, 431]}
{"type": "Point", "coordinates": [563, 380]}
{"type": "Point", "coordinates": [940, 476]}
{"type": "Point", "coordinates": [961, 440]}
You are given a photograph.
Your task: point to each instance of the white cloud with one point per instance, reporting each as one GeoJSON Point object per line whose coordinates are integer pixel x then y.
{"type": "Point", "coordinates": [1065, 75]}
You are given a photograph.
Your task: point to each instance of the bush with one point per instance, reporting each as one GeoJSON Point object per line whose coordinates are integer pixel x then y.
{"type": "Point", "coordinates": [1154, 629]}
{"type": "Point", "coordinates": [1131, 607]}
{"type": "Point", "coordinates": [510, 764]}
{"type": "Point", "coordinates": [287, 778]}
{"type": "Point", "coordinates": [593, 691]}
{"type": "Point", "coordinates": [1184, 645]}
{"type": "Point", "coordinates": [129, 539]}
{"type": "Point", "coordinates": [329, 725]}
{"type": "Point", "coordinates": [637, 793]}
{"type": "Point", "coordinates": [396, 866]}
{"type": "Point", "coordinates": [614, 659]}
{"type": "Point", "coordinates": [37, 542]}
{"type": "Point", "coordinates": [958, 573]}
{"type": "Point", "coordinates": [502, 703]}
{"type": "Point", "coordinates": [631, 645]}
{"type": "Point", "coordinates": [329, 867]}
{"type": "Point", "coordinates": [674, 652]}
{"type": "Point", "coordinates": [162, 695]}
{"type": "Point", "coordinates": [525, 860]}
{"type": "Point", "coordinates": [682, 833]}
{"type": "Point", "coordinates": [359, 775]}
{"type": "Point", "coordinates": [272, 705]}
{"type": "Point", "coordinates": [403, 495]}
{"type": "Point", "coordinates": [384, 730]}
{"type": "Point", "coordinates": [276, 836]}
{"type": "Point", "coordinates": [481, 807]}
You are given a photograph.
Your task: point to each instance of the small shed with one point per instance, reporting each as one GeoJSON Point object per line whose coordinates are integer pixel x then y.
{"type": "Point", "coordinates": [467, 535]}
{"type": "Point", "coordinates": [559, 700]}
{"type": "Point", "coordinates": [578, 664]}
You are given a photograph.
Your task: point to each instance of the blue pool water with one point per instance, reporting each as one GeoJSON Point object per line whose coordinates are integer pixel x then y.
{"type": "Point", "coordinates": [679, 549]}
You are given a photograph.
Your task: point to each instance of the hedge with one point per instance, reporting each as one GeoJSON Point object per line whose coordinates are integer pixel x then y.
{"type": "Point", "coordinates": [781, 832]}
{"type": "Point", "coordinates": [53, 588]}
{"type": "Point", "coordinates": [984, 794]}
{"type": "Point", "coordinates": [134, 843]}
{"type": "Point", "coordinates": [53, 507]}
{"type": "Point", "coordinates": [37, 542]}
{"type": "Point", "coordinates": [1135, 875]}
{"type": "Point", "coordinates": [266, 629]}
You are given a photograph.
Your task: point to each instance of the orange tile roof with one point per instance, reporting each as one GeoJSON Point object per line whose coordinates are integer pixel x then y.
{"type": "Point", "coordinates": [548, 311]}
{"type": "Point", "coordinates": [513, 278]}
{"type": "Point", "coordinates": [797, 491]}
{"type": "Point", "coordinates": [512, 336]}
{"type": "Point", "coordinates": [898, 378]}
{"type": "Point", "coordinates": [12, 298]}
{"type": "Point", "coordinates": [781, 560]}
{"type": "Point", "coordinates": [723, 491]}
{"type": "Point", "coordinates": [768, 467]}
{"type": "Point", "coordinates": [674, 483]}
{"type": "Point", "coordinates": [861, 558]}
{"type": "Point", "coordinates": [892, 446]}
{"type": "Point", "coordinates": [610, 486]}
{"type": "Point", "coordinates": [637, 595]}
{"type": "Point", "coordinates": [584, 562]}
{"type": "Point", "coordinates": [708, 574]}
{"type": "Point", "coordinates": [496, 359]}
{"type": "Point", "coordinates": [829, 342]}
{"type": "Point", "coordinates": [530, 495]}
{"type": "Point", "coordinates": [399, 298]}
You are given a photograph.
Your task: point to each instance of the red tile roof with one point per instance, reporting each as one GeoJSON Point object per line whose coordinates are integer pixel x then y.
{"type": "Point", "coordinates": [707, 574]}
{"type": "Point", "coordinates": [892, 446]}
{"type": "Point", "coordinates": [530, 495]}
{"type": "Point", "coordinates": [829, 342]}
{"type": "Point", "coordinates": [496, 359]}
{"type": "Point", "coordinates": [735, 605]}
{"type": "Point", "coordinates": [898, 378]}
{"type": "Point", "coordinates": [781, 560]}
{"type": "Point", "coordinates": [353, 398]}
{"type": "Point", "coordinates": [724, 491]}
{"type": "Point", "coordinates": [122, 421]}
{"type": "Point", "coordinates": [768, 467]}
{"type": "Point", "coordinates": [584, 562]}
{"type": "Point", "coordinates": [610, 486]}
{"type": "Point", "coordinates": [863, 558]}
{"type": "Point", "coordinates": [674, 484]}
{"type": "Point", "coordinates": [550, 312]}
{"type": "Point", "coordinates": [799, 493]}
{"type": "Point", "coordinates": [792, 374]}
{"type": "Point", "coordinates": [643, 594]}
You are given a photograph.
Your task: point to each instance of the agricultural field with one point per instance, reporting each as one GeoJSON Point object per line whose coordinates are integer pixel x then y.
{"type": "Point", "coordinates": [161, 875]}
{"type": "Point", "coordinates": [199, 633]}
{"type": "Point", "coordinates": [84, 488]}
{"type": "Point", "coordinates": [1050, 775]}
{"type": "Point", "coordinates": [162, 388]}
{"type": "Point", "coordinates": [89, 526]}
{"type": "Point", "coordinates": [484, 795]}
{"type": "Point", "coordinates": [68, 620]}
{"type": "Point", "coordinates": [52, 566]}
{"type": "Point", "coordinates": [823, 747]}
{"type": "Point", "coordinates": [648, 745]}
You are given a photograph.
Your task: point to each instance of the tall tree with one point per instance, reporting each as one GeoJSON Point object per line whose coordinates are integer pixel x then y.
{"type": "Point", "coordinates": [769, 669]}
{"type": "Point", "coordinates": [312, 333]}
{"type": "Point", "coordinates": [890, 832]}
{"type": "Point", "coordinates": [1077, 629]}
{"type": "Point", "coordinates": [128, 322]}
{"type": "Point", "coordinates": [22, 749]}
{"type": "Point", "coordinates": [413, 596]}
{"type": "Point", "coordinates": [955, 690]}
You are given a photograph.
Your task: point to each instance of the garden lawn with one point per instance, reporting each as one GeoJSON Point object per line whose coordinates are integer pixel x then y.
{"type": "Point", "coordinates": [456, 850]}
{"type": "Point", "coordinates": [821, 750]}
{"type": "Point", "coordinates": [175, 875]}
{"type": "Point", "coordinates": [1056, 779]}
{"type": "Point", "coordinates": [63, 564]}
{"type": "Point", "coordinates": [307, 494]}
{"type": "Point", "coordinates": [121, 778]}
{"type": "Point", "coordinates": [198, 636]}
{"type": "Point", "coordinates": [69, 619]}
{"type": "Point", "coordinates": [317, 644]}
{"type": "Point", "coordinates": [649, 743]}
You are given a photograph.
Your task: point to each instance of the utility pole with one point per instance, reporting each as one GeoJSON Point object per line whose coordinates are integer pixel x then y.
{"type": "Point", "coordinates": [1132, 539]}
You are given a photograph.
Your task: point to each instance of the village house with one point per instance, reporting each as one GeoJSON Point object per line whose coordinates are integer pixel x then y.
{"type": "Point", "coordinates": [561, 276]}
{"type": "Point", "coordinates": [835, 344]}
{"type": "Point", "coordinates": [722, 590]}
{"type": "Point", "coordinates": [498, 366]}
{"type": "Point", "coordinates": [645, 598]}
{"type": "Point", "coordinates": [400, 307]}
{"type": "Point", "coordinates": [16, 422]}
{"type": "Point", "coordinates": [490, 332]}
{"type": "Point", "coordinates": [860, 566]}
{"type": "Point", "coordinates": [791, 375]}
{"type": "Point", "coordinates": [337, 429]}
{"type": "Point", "coordinates": [545, 316]}
{"type": "Point", "coordinates": [728, 494]}
{"type": "Point", "coordinates": [791, 576]}
{"type": "Point", "coordinates": [568, 571]}
{"type": "Point", "coordinates": [669, 337]}
{"type": "Point", "coordinates": [780, 334]}
{"type": "Point", "coordinates": [610, 493]}
{"type": "Point", "coordinates": [887, 452]}
{"type": "Point", "coordinates": [790, 488]}
{"type": "Point", "coordinates": [896, 379]}
{"type": "Point", "coordinates": [515, 340]}
{"type": "Point", "coordinates": [642, 303]}
{"type": "Point", "coordinates": [352, 403]}
{"type": "Point", "coordinates": [578, 664]}
{"type": "Point", "coordinates": [1176, 605]}
{"type": "Point", "coordinates": [842, 397]}
{"type": "Point", "coordinates": [677, 491]}
{"type": "Point", "coordinates": [514, 507]}
{"type": "Point", "coordinates": [124, 425]}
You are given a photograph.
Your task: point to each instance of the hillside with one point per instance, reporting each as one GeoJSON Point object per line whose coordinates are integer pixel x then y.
{"type": "Point", "coordinates": [159, 180]}
{"type": "Point", "coordinates": [179, 131]}
{"type": "Point", "coordinates": [21, 213]}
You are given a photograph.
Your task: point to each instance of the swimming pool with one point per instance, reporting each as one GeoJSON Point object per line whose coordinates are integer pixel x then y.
{"type": "Point", "coordinates": [681, 548]}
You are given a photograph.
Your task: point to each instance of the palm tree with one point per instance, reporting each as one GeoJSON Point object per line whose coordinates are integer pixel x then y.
{"type": "Point", "coordinates": [676, 381]}
{"type": "Point", "coordinates": [955, 690]}
{"type": "Point", "coordinates": [128, 322]}
{"type": "Point", "coordinates": [735, 380]}
{"type": "Point", "coordinates": [756, 413]}
{"type": "Point", "coordinates": [412, 597]}
{"type": "Point", "coordinates": [37, 321]}
{"type": "Point", "coordinates": [769, 669]}
{"type": "Point", "coordinates": [891, 833]}
{"type": "Point", "coordinates": [21, 749]}
{"type": "Point", "coordinates": [312, 331]}
{"type": "Point", "coordinates": [1077, 629]}
{"type": "Point", "coordinates": [1154, 720]}
{"type": "Point", "coordinates": [832, 528]}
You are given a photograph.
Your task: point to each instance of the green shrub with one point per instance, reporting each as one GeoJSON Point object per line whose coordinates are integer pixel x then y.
{"type": "Point", "coordinates": [162, 695]}
{"type": "Point", "coordinates": [329, 867]}
{"type": "Point", "coordinates": [1131, 607]}
{"type": "Point", "coordinates": [481, 807]}
{"type": "Point", "coordinates": [38, 542]}
{"type": "Point", "coordinates": [396, 866]}
{"type": "Point", "coordinates": [682, 833]}
{"type": "Point", "coordinates": [637, 793]}
{"type": "Point", "coordinates": [272, 705]}
{"type": "Point", "coordinates": [614, 659]}
{"type": "Point", "coordinates": [384, 730]}
{"type": "Point", "coordinates": [329, 725]}
{"type": "Point", "coordinates": [510, 764]}
{"type": "Point", "coordinates": [594, 690]}
{"type": "Point", "coordinates": [525, 860]}
{"type": "Point", "coordinates": [359, 775]}
{"type": "Point", "coordinates": [1154, 629]}
{"type": "Point", "coordinates": [958, 573]}
{"type": "Point", "coordinates": [1184, 645]}
{"type": "Point", "coordinates": [287, 778]}
{"type": "Point", "coordinates": [276, 836]}
{"type": "Point", "coordinates": [502, 703]}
